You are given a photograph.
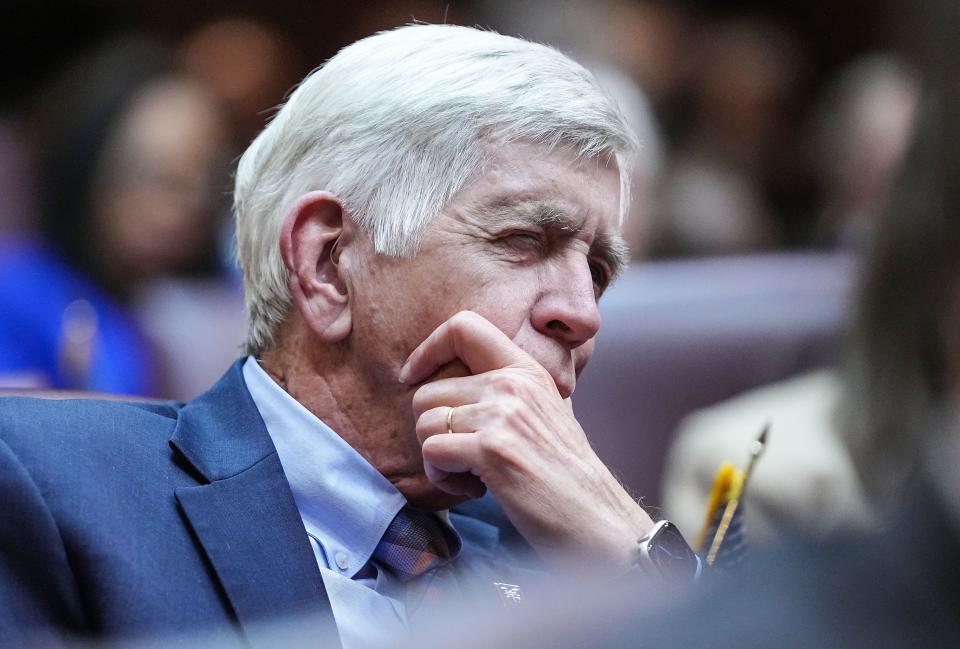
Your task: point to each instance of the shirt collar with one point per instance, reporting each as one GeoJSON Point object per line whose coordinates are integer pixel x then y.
{"type": "Point", "coordinates": [345, 503]}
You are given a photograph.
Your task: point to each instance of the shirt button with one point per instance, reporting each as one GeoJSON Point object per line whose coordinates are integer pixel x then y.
{"type": "Point", "coordinates": [342, 560]}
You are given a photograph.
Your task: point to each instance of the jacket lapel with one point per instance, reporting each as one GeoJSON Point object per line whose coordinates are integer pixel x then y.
{"type": "Point", "coordinates": [245, 516]}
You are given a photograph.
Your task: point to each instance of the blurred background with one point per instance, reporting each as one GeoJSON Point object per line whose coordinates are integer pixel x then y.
{"type": "Point", "coordinates": [772, 133]}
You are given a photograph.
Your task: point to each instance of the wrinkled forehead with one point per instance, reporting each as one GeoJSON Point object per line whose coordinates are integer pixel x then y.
{"type": "Point", "coordinates": [549, 185]}
{"type": "Point", "coordinates": [562, 158]}
{"type": "Point", "coordinates": [529, 187]}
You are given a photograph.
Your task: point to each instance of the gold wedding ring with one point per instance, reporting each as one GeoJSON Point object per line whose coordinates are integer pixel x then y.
{"type": "Point", "coordinates": [450, 419]}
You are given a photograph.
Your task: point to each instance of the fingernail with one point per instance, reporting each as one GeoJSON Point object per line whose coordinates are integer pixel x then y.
{"type": "Point", "coordinates": [405, 373]}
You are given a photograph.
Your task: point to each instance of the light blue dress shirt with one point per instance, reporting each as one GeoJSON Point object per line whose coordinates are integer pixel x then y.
{"type": "Point", "coordinates": [346, 505]}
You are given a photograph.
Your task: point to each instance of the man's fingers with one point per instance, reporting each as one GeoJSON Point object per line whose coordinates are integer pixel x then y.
{"type": "Point", "coordinates": [458, 484]}
{"type": "Point", "coordinates": [435, 420]}
{"type": "Point", "coordinates": [458, 391]}
{"type": "Point", "coordinates": [468, 337]}
{"type": "Point", "coordinates": [454, 453]}
{"type": "Point", "coordinates": [451, 462]}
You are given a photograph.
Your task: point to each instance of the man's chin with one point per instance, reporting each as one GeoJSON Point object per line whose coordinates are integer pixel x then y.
{"type": "Point", "coordinates": [423, 494]}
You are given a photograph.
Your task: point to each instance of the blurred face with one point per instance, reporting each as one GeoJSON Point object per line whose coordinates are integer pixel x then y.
{"type": "Point", "coordinates": [157, 192]}
{"type": "Point", "coordinates": [531, 245]}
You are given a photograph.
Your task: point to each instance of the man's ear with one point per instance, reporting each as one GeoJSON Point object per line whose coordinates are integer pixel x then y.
{"type": "Point", "coordinates": [308, 243]}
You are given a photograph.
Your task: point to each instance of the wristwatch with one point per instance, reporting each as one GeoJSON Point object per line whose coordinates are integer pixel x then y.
{"type": "Point", "coordinates": [663, 552]}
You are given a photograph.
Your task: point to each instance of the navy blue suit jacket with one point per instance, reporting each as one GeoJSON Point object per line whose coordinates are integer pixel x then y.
{"type": "Point", "coordinates": [131, 518]}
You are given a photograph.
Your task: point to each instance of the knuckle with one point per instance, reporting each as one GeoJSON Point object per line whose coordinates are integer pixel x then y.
{"type": "Point", "coordinates": [463, 321]}
{"type": "Point", "coordinates": [512, 411]}
{"type": "Point", "coordinates": [501, 450]}
{"type": "Point", "coordinates": [466, 324]}
{"type": "Point", "coordinates": [508, 383]}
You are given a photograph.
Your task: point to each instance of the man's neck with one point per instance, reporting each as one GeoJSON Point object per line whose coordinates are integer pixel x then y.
{"type": "Point", "coordinates": [375, 418]}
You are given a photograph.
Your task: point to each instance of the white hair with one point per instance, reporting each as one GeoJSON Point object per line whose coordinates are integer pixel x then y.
{"type": "Point", "coordinates": [395, 125]}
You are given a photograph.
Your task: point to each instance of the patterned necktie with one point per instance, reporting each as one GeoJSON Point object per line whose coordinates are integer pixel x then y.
{"type": "Point", "coordinates": [415, 542]}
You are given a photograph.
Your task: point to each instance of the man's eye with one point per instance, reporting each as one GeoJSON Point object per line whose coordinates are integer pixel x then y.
{"type": "Point", "coordinates": [600, 276]}
{"type": "Point", "coordinates": [523, 241]}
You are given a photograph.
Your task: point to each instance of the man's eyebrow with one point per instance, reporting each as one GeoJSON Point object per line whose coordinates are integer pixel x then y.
{"type": "Point", "coordinates": [532, 213]}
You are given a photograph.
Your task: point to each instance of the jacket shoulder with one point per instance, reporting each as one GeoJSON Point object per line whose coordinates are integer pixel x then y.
{"type": "Point", "coordinates": [54, 429]}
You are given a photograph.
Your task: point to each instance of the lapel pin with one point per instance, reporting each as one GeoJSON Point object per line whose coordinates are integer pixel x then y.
{"type": "Point", "coordinates": [509, 593]}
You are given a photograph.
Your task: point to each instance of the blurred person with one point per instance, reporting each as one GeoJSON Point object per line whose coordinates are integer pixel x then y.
{"type": "Point", "coordinates": [197, 326]}
{"type": "Point", "coordinates": [713, 198]}
{"type": "Point", "coordinates": [807, 482]}
{"type": "Point", "coordinates": [861, 132]}
{"type": "Point", "coordinates": [17, 210]}
{"type": "Point", "coordinates": [250, 65]}
{"type": "Point", "coordinates": [129, 161]}
{"type": "Point", "coordinates": [897, 583]}
{"type": "Point", "coordinates": [864, 128]}
{"type": "Point", "coordinates": [425, 229]}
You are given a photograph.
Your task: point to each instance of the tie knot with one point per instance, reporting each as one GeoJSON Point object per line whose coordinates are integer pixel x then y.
{"type": "Point", "coordinates": [415, 542]}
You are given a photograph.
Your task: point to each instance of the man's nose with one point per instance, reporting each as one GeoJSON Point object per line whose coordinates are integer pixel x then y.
{"type": "Point", "coordinates": [567, 309]}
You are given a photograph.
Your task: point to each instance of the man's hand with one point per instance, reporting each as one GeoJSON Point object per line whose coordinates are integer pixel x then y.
{"type": "Point", "coordinates": [514, 434]}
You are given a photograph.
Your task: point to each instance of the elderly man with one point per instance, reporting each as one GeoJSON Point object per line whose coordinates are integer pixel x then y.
{"type": "Point", "coordinates": [425, 229]}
